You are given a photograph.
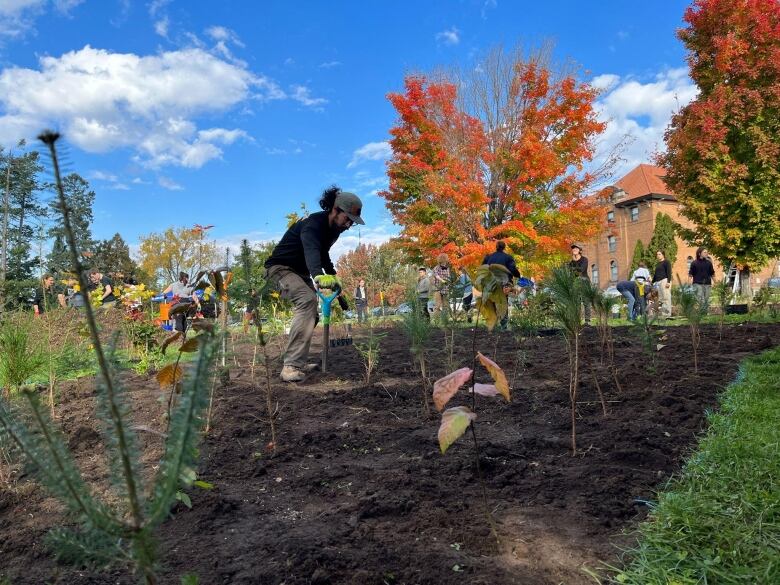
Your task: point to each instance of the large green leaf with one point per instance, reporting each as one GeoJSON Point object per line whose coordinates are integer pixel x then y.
{"type": "Point", "coordinates": [454, 422]}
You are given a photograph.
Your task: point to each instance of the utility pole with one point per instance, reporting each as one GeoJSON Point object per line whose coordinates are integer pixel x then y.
{"type": "Point", "coordinates": [224, 310]}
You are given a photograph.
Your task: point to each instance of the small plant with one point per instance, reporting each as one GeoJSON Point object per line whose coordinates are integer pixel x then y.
{"type": "Point", "coordinates": [723, 296]}
{"type": "Point", "coordinates": [369, 353]}
{"type": "Point", "coordinates": [457, 419]}
{"type": "Point", "coordinates": [18, 361]}
{"type": "Point", "coordinates": [418, 329]}
{"type": "Point", "coordinates": [120, 531]}
{"type": "Point", "coordinates": [692, 310]}
{"type": "Point", "coordinates": [566, 291]}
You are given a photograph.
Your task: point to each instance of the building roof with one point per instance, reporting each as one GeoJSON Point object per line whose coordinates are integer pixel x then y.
{"type": "Point", "coordinates": [645, 180]}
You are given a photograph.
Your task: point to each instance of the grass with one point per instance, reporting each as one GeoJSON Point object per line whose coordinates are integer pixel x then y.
{"type": "Point", "coordinates": [719, 521]}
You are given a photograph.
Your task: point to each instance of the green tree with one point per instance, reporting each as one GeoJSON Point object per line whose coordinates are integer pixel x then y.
{"type": "Point", "coordinates": [723, 148]}
{"type": "Point", "coordinates": [250, 270]}
{"type": "Point", "coordinates": [113, 257]}
{"type": "Point", "coordinates": [80, 199]}
{"type": "Point", "coordinates": [639, 256]}
{"type": "Point", "coordinates": [663, 238]}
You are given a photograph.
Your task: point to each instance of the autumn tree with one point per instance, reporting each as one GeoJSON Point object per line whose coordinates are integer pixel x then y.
{"type": "Point", "coordinates": [385, 269]}
{"type": "Point", "coordinates": [164, 255]}
{"type": "Point", "coordinates": [499, 153]}
{"type": "Point", "coordinates": [723, 148]}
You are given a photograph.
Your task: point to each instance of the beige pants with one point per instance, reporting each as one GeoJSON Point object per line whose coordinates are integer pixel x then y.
{"type": "Point", "coordinates": [664, 297]}
{"type": "Point", "coordinates": [300, 292]}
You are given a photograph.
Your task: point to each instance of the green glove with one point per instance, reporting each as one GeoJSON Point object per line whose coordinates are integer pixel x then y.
{"type": "Point", "coordinates": [327, 281]}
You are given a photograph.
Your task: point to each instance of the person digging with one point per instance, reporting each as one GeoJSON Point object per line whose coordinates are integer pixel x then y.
{"type": "Point", "coordinates": [303, 254]}
{"type": "Point", "coordinates": [184, 299]}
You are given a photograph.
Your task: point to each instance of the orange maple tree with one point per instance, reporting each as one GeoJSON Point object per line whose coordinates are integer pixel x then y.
{"type": "Point", "coordinates": [459, 180]}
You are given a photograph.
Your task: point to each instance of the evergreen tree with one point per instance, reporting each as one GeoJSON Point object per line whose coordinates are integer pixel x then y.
{"type": "Point", "coordinates": [24, 211]}
{"type": "Point", "coordinates": [113, 256]}
{"type": "Point", "coordinates": [663, 239]}
{"type": "Point", "coordinates": [639, 256]}
{"type": "Point", "coordinates": [58, 261]}
{"type": "Point", "coordinates": [80, 199]}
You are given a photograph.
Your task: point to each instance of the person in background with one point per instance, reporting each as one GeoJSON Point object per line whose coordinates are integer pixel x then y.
{"type": "Point", "coordinates": [700, 276]}
{"type": "Point", "coordinates": [45, 296]}
{"type": "Point", "coordinates": [423, 291]}
{"type": "Point", "coordinates": [441, 284]}
{"type": "Point", "coordinates": [507, 261]}
{"type": "Point", "coordinates": [183, 293]}
{"type": "Point", "coordinates": [641, 272]}
{"type": "Point", "coordinates": [635, 297]}
{"type": "Point", "coordinates": [467, 292]}
{"type": "Point", "coordinates": [75, 298]}
{"type": "Point", "coordinates": [361, 301]}
{"type": "Point", "coordinates": [301, 255]}
{"type": "Point", "coordinates": [662, 280]}
{"type": "Point", "coordinates": [98, 279]}
{"type": "Point", "coordinates": [251, 314]}
{"type": "Point", "coordinates": [579, 265]}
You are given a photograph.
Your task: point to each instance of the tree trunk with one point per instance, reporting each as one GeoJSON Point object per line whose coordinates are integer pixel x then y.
{"type": "Point", "coordinates": [4, 243]}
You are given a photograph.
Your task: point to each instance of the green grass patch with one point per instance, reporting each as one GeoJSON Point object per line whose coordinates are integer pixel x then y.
{"type": "Point", "coordinates": [719, 521]}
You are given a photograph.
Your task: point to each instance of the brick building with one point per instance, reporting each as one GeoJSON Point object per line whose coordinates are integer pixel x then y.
{"type": "Point", "coordinates": [636, 200]}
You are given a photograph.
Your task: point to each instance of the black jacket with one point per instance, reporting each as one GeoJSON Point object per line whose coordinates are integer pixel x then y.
{"type": "Point", "coordinates": [662, 270]}
{"type": "Point", "coordinates": [702, 271]}
{"type": "Point", "coordinates": [505, 260]}
{"type": "Point", "coordinates": [305, 246]}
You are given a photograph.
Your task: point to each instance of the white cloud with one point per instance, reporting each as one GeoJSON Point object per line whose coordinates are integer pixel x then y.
{"type": "Point", "coordinates": [330, 64]}
{"type": "Point", "coordinates": [223, 34]}
{"type": "Point", "coordinates": [640, 109]}
{"type": "Point", "coordinates": [364, 234]}
{"type": "Point", "coordinates": [103, 101]}
{"type": "Point", "coordinates": [169, 184]}
{"type": "Point", "coordinates": [302, 94]}
{"type": "Point", "coordinates": [161, 26]}
{"type": "Point", "coordinates": [371, 151]}
{"type": "Point", "coordinates": [18, 16]}
{"type": "Point", "coordinates": [449, 37]}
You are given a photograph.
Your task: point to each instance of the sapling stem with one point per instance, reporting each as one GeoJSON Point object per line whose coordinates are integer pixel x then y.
{"type": "Point", "coordinates": [50, 139]}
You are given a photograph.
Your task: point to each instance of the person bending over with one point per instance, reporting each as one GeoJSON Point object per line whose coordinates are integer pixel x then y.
{"type": "Point", "coordinates": [303, 254]}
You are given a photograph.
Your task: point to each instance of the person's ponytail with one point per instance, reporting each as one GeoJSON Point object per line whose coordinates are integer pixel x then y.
{"type": "Point", "coordinates": [328, 198]}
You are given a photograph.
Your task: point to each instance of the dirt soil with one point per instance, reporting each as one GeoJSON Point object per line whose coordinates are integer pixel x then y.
{"type": "Point", "coordinates": [358, 492]}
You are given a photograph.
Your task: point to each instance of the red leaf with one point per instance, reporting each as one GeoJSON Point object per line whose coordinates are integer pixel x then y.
{"type": "Point", "coordinates": [446, 387]}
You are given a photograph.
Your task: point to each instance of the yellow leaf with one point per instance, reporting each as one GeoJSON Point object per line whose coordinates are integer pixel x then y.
{"type": "Point", "coordinates": [191, 345]}
{"type": "Point", "coordinates": [454, 423]}
{"type": "Point", "coordinates": [502, 384]}
{"type": "Point", "coordinates": [170, 375]}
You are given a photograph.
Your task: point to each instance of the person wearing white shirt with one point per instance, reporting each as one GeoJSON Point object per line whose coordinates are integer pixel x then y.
{"type": "Point", "coordinates": [641, 272]}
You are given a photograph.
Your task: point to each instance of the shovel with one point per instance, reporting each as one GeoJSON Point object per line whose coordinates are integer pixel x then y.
{"type": "Point", "coordinates": [327, 301]}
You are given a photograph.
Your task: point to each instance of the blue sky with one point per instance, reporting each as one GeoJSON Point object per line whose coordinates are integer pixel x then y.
{"type": "Point", "coordinates": [232, 113]}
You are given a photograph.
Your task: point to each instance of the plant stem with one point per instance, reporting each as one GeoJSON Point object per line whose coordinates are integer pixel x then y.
{"type": "Point", "coordinates": [114, 411]}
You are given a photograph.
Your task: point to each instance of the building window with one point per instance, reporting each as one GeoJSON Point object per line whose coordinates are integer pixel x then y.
{"type": "Point", "coordinates": [612, 242]}
{"type": "Point", "coordinates": [611, 216]}
{"type": "Point", "coordinates": [635, 213]}
{"type": "Point", "coordinates": [613, 271]}
{"type": "Point", "coordinates": [594, 274]}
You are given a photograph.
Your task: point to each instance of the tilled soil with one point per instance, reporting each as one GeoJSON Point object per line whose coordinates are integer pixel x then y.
{"type": "Point", "coordinates": [358, 492]}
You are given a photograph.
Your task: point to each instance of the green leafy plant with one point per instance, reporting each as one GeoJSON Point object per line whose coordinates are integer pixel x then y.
{"type": "Point", "coordinates": [723, 295]}
{"type": "Point", "coordinates": [567, 294]}
{"type": "Point", "coordinates": [18, 360]}
{"type": "Point", "coordinates": [120, 531]}
{"type": "Point", "coordinates": [369, 352]}
{"type": "Point", "coordinates": [417, 330]}
{"type": "Point", "coordinates": [692, 310]}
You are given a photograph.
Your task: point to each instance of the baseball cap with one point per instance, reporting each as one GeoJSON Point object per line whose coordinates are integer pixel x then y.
{"type": "Point", "coordinates": [350, 204]}
{"type": "Point", "coordinates": [575, 245]}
